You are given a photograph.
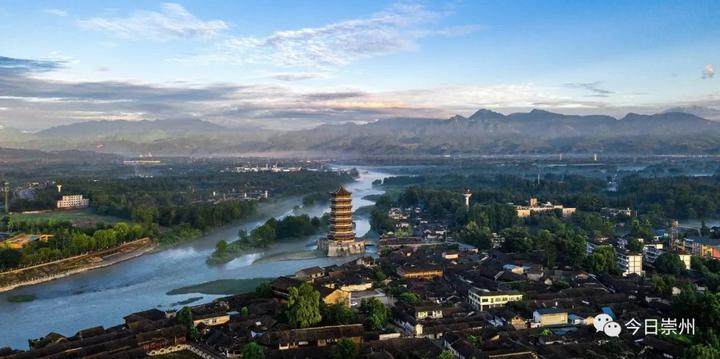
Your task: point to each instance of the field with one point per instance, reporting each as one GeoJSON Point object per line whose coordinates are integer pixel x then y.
{"type": "Point", "coordinates": [222, 286]}
{"type": "Point", "coordinates": [80, 217]}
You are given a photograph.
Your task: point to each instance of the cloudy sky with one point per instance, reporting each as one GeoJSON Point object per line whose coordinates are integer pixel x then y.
{"type": "Point", "coordinates": [291, 64]}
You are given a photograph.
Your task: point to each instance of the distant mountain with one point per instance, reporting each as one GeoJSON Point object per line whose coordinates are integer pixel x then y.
{"type": "Point", "coordinates": [121, 129]}
{"type": "Point", "coordinates": [488, 132]}
{"type": "Point", "coordinates": [159, 137]}
{"type": "Point", "coordinates": [709, 113]}
{"type": "Point", "coordinates": [484, 132]}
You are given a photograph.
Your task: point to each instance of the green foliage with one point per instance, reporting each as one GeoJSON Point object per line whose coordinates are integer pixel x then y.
{"type": "Point", "coordinates": [408, 297]}
{"type": "Point", "coordinates": [593, 224]}
{"type": "Point", "coordinates": [472, 234]}
{"type": "Point", "coordinates": [221, 246]}
{"type": "Point", "coordinates": [303, 307]}
{"type": "Point", "coordinates": [344, 349]}
{"type": "Point", "coordinates": [634, 245]}
{"type": "Point", "coordinates": [264, 290]}
{"type": "Point", "coordinates": [379, 275]}
{"type": "Point", "coordinates": [68, 241]}
{"type": "Point", "coordinates": [446, 354]}
{"type": "Point", "coordinates": [253, 350]}
{"type": "Point", "coordinates": [375, 313]}
{"type": "Point", "coordinates": [603, 260]}
{"type": "Point", "coordinates": [380, 222]}
{"type": "Point", "coordinates": [244, 312]}
{"type": "Point", "coordinates": [337, 314]}
{"type": "Point", "coordinates": [662, 284]}
{"type": "Point", "coordinates": [516, 240]}
{"type": "Point", "coordinates": [669, 263]}
{"type": "Point", "coordinates": [184, 317]}
{"type": "Point", "coordinates": [702, 351]}
{"type": "Point", "coordinates": [641, 228]}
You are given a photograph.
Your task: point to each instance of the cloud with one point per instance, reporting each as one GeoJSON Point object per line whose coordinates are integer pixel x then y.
{"type": "Point", "coordinates": [297, 76]}
{"type": "Point", "coordinates": [708, 71]}
{"type": "Point", "coordinates": [56, 12]}
{"type": "Point", "coordinates": [592, 87]}
{"type": "Point", "coordinates": [395, 29]}
{"type": "Point", "coordinates": [172, 21]}
{"type": "Point", "coordinates": [14, 65]}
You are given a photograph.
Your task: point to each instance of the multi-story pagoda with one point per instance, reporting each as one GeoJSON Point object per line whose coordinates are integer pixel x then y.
{"type": "Point", "coordinates": [341, 239]}
{"type": "Point", "coordinates": [341, 222]}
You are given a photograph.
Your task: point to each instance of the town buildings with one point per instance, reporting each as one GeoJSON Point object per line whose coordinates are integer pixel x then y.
{"type": "Point", "coordinates": [73, 201]}
{"type": "Point", "coordinates": [534, 207]}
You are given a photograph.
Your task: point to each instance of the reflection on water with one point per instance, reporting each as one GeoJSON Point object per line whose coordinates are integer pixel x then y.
{"type": "Point", "coordinates": [103, 296]}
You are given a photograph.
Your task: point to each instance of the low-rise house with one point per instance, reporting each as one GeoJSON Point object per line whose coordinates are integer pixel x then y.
{"type": "Point", "coordinates": [550, 316]}
{"type": "Point", "coordinates": [310, 274]}
{"type": "Point", "coordinates": [312, 337]}
{"type": "Point", "coordinates": [420, 272]}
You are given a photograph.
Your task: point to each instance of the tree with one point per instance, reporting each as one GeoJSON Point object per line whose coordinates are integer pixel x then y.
{"type": "Point", "coordinates": [344, 349]}
{"type": "Point", "coordinates": [253, 350]}
{"type": "Point", "coordinates": [303, 307]}
{"type": "Point", "coordinates": [702, 351]}
{"type": "Point", "coordinates": [446, 354]}
{"type": "Point", "coordinates": [220, 247]}
{"type": "Point", "coordinates": [337, 314]}
{"type": "Point", "coordinates": [603, 260]}
{"type": "Point", "coordinates": [516, 240]}
{"type": "Point", "coordinates": [184, 317]}
{"type": "Point", "coordinates": [476, 235]}
{"type": "Point", "coordinates": [408, 297]}
{"type": "Point", "coordinates": [546, 241]}
{"type": "Point", "coordinates": [375, 313]}
{"type": "Point", "coordinates": [669, 263]}
{"type": "Point", "coordinates": [634, 245]}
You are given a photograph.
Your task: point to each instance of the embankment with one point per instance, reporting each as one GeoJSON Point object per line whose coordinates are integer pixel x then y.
{"type": "Point", "coordinates": [45, 272]}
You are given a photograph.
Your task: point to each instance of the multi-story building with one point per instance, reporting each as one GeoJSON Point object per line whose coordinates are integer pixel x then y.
{"type": "Point", "coordinates": [481, 299]}
{"type": "Point", "coordinates": [703, 246]}
{"type": "Point", "coordinates": [630, 263]}
{"type": "Point", "coordinates": [341, 239]}
{"type": "Point", "coordinates": [73, 201]}
{"type": "Point", "coordinates": [535, 207]}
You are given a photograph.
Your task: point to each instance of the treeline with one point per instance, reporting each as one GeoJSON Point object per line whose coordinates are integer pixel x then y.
{"type": "Point", "coordinates": [272, 230]}
{"type": "Point", "coordinates": [672, 197]}
{"type": "Point", "coordinates": [288, 227]}
{"type": "Point", "coordinates": [663, 197]}
{"type": "Point", "coordinates": [67, 241]}
{"type": "Point", "coordinates": [179, 199]}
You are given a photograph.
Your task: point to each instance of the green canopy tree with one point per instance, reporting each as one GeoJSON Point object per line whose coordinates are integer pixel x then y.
{"type": "Point", "coordinates": [345, 349]}
{"type": "Point", "coordinates": [253, 350]}
{"type": "Point", "coordinates": [375, 313]}
{"type": "Point", "coordinates": [303, 307]}
{"type": "Point", "coordinates": [669, 263]}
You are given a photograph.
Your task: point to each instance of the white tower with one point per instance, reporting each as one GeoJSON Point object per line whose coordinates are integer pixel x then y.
{"type": "Point", "coordinates": [59, 187]}
{"type": "Point", "coordinates": [467, 196]}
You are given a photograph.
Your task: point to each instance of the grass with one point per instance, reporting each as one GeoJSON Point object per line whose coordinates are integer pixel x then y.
{"type": "Point", "coordinates": [21, 298]}
{"type": "Point", "coordinates": [80, 217]}
{"type": "Point", "coordinates": [222, 287]}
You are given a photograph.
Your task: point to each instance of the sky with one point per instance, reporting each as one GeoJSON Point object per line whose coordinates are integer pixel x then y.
{"type": "Point", "coordinates": [298, 64]}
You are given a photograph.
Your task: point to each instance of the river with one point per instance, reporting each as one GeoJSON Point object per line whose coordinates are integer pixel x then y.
{"type": "Point", "coordinates": [103, 296]}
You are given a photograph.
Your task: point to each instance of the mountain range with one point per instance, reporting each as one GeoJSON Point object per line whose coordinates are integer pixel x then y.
{"type": "Point", "coordinates": [484, 132]}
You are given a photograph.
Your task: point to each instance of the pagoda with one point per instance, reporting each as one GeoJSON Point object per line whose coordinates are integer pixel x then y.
{"type": "Point", "coordinates": [341, 239]}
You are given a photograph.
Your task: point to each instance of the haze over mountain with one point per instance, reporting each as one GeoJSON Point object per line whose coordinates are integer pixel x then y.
{"type": "Point", "coordinates": [484, 132]}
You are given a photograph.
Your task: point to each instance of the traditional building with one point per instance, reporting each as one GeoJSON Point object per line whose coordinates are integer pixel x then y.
{"type": "Point", "coordinates": [341, 239]}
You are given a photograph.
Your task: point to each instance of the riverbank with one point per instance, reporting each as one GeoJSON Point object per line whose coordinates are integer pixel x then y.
{"type": "Point", "coordinates": [66, 267]}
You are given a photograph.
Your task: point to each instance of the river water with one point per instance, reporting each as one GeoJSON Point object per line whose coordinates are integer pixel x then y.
{"type": "Point", "coordinates": [103, 296]}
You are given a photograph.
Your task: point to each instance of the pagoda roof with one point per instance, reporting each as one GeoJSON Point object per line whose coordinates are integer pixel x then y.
{"type": "Point", "coordinates": [342, 191]}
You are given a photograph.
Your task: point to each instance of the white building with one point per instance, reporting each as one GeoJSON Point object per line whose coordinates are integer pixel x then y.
{"type": "Point", "coordinates": [482, 299]}
{"type": "Point", "coordinates": [630, 263]}
{"type": "Point", "coordinates": [73, 201]}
